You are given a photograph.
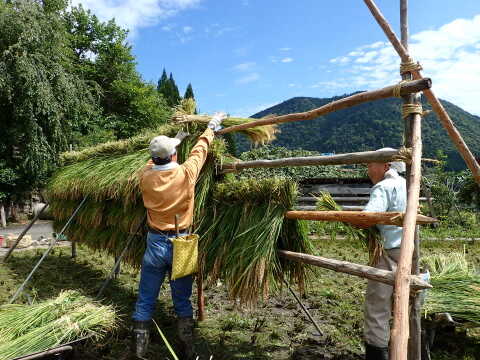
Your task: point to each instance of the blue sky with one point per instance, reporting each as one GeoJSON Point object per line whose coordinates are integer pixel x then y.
{"type": "Point", "coordinates": [242, 56]}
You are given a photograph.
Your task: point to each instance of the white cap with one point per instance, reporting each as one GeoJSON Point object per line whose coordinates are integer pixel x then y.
{"type": "Point", "coordinates": [162, 146]}
{"type": "Point", "coordinates": [399, 166]}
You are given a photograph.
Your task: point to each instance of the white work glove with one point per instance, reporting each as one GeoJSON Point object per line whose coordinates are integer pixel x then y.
{"type": "Point", "coordinates": [217, 119]}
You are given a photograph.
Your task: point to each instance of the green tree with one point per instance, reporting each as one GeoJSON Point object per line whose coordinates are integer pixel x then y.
{"type": "Point", "coordinates": [41, 101]}
{"type": "Point", "coordinates": [140, 107]}
{"type": "Point", "coordinates": [168, 89]}
{"type": "Point", "coordinates": [189, 92]}
{"type": "Point", "coordinates": [175, 94]}
{"type": "Point", "coordinates": [103, 57]}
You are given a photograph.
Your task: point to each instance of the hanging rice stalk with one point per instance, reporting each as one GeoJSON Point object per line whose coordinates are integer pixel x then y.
{"type": "Point", "coordinates": [249, 227]}
{"type": "Point", "coordinates": [245, 217]}
{"type": "Point", "coordinates": [369, 237]}
{"type": "Point", "coordinates": [456, 287]}
{"type": "Point", "coordinates": [260, 135]}
{"type": "Point", "coordinates": [26, 329]}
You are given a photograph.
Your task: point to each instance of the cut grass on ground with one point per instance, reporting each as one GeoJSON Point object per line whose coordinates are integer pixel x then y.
{"type": "Point", "coordinates": [277, 329]}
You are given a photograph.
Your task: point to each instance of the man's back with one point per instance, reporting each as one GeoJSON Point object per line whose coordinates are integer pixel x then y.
{"type": "Point", "coordinates": [169, 190]}
{"type": "Point", "coordinates": [390, 194]}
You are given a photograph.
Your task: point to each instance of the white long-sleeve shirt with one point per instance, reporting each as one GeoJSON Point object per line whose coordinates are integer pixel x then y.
{"type": "Point", "coordinates": [390, 194]}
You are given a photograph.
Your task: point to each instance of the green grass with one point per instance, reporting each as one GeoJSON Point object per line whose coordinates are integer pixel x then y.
{"type": "Point", "coordinates": [276, 329]}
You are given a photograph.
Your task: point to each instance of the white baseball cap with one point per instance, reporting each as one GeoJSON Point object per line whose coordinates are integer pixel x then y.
{"type": "Point", "coordinates": [163, 146]}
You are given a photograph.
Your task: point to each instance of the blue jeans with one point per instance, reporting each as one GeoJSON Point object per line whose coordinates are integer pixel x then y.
{"type": "Point", "coordinates": [157, 260]}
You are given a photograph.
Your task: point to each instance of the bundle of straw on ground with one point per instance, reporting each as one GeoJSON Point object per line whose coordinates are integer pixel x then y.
{"type": "Point", "coordinates": [369, 237]}
{"type": "Point", "coordinates": [456, 288]}
{"type": "Point", "coordinates": [108, 175]}
{"type": "Point", "coordinates": [26, 329]}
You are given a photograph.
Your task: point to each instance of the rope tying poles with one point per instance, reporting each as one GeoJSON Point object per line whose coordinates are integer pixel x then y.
{"type": "Point", "coordinates": [397, 89]}
{"type": "Point", "coordinates": [409, 66]}
{"type": "Point", "coordinates": [408, 109]}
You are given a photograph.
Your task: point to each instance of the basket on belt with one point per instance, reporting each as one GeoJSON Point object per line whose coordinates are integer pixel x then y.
{"type": "Point", "coordinates": [185, 254]}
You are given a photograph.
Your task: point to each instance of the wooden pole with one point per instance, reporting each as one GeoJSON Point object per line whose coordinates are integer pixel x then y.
{"type": "Point", "coordinates": [447, 123]}
{"type": "Point", "coordinates": [414, 343]}
{"type": "Point", "coordinates": [400, 331]}
{"type": "Point", "coordinates": [200, 294]}
{"type": "Point", "coordinates": [340, 159]}
{"type": "Point", "coordinates": [363, 271]}
{"type": "Point", "coordinates": [3, 218]}
{"type": "Point", "coordinates": [335, 105]}
{"type": "Point", "coordinates": [363, 218]}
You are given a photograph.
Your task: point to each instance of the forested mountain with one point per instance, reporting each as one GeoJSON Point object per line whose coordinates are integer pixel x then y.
{"type": "Point", "coordinates": [370, 126]}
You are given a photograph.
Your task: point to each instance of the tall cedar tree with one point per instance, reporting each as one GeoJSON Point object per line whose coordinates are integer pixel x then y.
{"type": "Point", "coordinates": [189, 92]}
{"type": "Point", "coordinates": [168, 89]}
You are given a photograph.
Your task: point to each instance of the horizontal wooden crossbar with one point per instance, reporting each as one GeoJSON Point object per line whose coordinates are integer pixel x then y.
{"type": "Point", "coordinates": [364, 271]}
{"type": "Point", "coordinates": [360, 98]}
{"type": "Point", "coordinates": [340, 159]}
{"type": "Point", "coordinates": [340, 199]}
{"type": "Point", "coordinates": [361, 218]}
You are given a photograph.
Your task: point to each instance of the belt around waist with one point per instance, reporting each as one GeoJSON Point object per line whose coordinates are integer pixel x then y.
{"type": "Point", "coordinates": [166, 232]}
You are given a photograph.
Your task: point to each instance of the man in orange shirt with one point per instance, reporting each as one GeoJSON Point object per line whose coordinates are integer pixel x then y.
{"type": "Point", "coordinates": [168, 189]}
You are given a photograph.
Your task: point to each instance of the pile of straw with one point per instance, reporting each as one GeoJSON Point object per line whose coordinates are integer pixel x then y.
{"type": "Point", "coordinates": [456, 287]}
{"type": "Point", "coordinates": [244, 216]}
{"type": "Point", "coordinates": [26, 329]}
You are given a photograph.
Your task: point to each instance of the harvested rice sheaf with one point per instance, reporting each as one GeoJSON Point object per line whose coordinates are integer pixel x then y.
{"type": "Point", "coordinates": [456, 287]}
{"type": "Point", "coordinates": [244, 216]}
{"type": "Point", "coordinates": [27, 329]}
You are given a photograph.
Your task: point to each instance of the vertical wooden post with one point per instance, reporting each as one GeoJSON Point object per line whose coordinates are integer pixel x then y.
{"type": "Point", "coordinates": [400, 331]}
{"type": "Point", "coordinates": [3, 218]}
{"type": "Point", "coordinates": [200, 295]}
{"type": "Point", "coordinates": [414, 345]}
{"type": "Point", "coordinates": [74, 248]}
{"type": "Point", "coordinates": [415, 341]}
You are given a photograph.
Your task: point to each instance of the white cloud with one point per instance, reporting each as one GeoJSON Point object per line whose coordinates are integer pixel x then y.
{"type": "Point", "coordinates": [187, 29]}
{"type": "Point", "coordinates": [244, 66]}
{"type": "Point", "coordinates": [134, 14]}
{"type": "Point", "coordinates": [449, 55]}
{"type": "Point", "coordinates": [285, 49]}
{"type": "Point", "coordinates": [247, 79]}
{"type": "Point", "coordinates": [287, 60]}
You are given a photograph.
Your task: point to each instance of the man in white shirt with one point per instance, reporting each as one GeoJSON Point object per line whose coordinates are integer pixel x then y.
{"type": "Point", "coordinates": [389, 193]}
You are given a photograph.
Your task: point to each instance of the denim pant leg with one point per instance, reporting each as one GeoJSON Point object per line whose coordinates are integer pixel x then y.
{"type": "Point", "coordinates": [181, 292]}
{"type": "Point", "coordinates": [156, 261]}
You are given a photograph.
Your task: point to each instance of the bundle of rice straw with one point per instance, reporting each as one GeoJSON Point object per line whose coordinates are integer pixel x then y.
{"type": "Point", "coordinates": [108, 176]}
{"type": "Point", "coordinates": [184, 114]}
{"type": "Point", "coordinates": [26, 329]}
{"type": "Point", "coordinates": [368, 237]}
{"type": "Point", "coordinates": [456, 287]}
{"type": "Point", "coordinates": [241, 244]}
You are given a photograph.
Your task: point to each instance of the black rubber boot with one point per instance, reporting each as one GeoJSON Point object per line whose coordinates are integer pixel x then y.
{"type": "Point", "coordinates": [185, 335]}
{"type": "Point", "coordinates": [141, 333]}
{"type": "Point", "coordinates": [375, 353]}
